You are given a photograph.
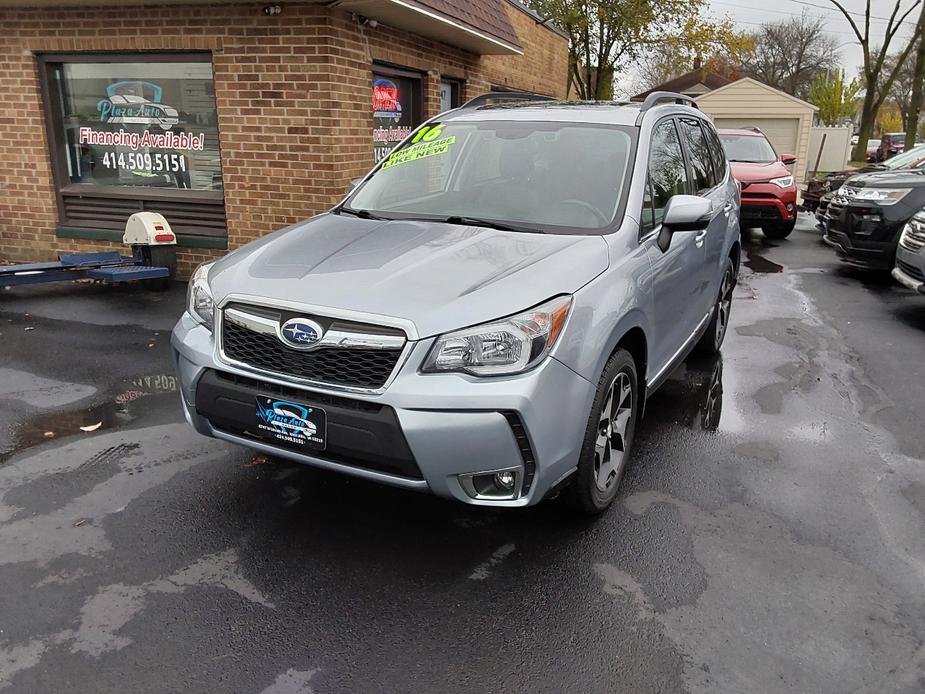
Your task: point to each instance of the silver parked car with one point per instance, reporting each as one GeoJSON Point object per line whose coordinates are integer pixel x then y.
{"type": "Point", "coordinates": [484, 315]}
{"type": "Point", "coordinates": [910, 254]}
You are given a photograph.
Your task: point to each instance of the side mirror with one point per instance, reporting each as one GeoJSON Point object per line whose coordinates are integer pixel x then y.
{"type": "Point", "coordinates": [788, 159]}
{"type": "Point", "coordinates": [683, 213]}
{"type": "Point", "coordinates": [352, 184]}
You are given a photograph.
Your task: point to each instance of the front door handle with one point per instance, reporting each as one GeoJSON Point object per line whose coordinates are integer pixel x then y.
{"type": "Point", "coordinates": [727, 208]}
{"type": "Point", "coordinates": [698, 239]}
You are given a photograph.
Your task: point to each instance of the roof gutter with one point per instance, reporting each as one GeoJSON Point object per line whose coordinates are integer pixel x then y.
{"type": "Point", "coordinates": [458, 26]}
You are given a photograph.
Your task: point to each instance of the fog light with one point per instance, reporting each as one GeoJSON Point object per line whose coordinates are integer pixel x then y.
{"type": "Point", "coordinates": [493, 484]}
{"type": "Point", "coordinates": [789, 207]}
{"type": "Point", "coordinates": [505, 479]}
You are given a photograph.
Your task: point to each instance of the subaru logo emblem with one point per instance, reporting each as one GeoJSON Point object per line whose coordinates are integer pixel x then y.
{"type": "Point", "coordinates": [300, 333]}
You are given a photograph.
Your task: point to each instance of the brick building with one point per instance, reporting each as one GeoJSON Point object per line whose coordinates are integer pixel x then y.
{"type": "Point", "coordinates": [232, 119]}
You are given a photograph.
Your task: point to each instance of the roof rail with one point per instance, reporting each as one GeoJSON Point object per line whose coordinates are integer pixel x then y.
{"type": "Point", "coordinates": [655, 98]}
{"type": "Point", "coordinates": [492, 97]}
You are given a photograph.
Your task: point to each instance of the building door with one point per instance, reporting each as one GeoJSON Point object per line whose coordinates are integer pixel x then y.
{"type": "Point", "coordinates": [397, 107]}
{"type": "Point", "coordinates": [450, 94]}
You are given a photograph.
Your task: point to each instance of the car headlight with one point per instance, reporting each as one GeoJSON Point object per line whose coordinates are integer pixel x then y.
{"type": "Point", "coordinates": [887, 196]}
{"type": "Point", "coordinates": [508, 346]}
{"type": "Point", "coordinates": [199, 302]}
{"type": "Point", "coordinates": [782, 182]}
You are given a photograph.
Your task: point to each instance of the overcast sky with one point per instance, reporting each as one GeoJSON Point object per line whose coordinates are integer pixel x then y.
{"type": "Point", "coordinates": [750, 14]}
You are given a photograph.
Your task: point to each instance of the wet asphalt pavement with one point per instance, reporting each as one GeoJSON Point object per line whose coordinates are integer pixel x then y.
{"type": "Point", "coordinates": [768, 537]}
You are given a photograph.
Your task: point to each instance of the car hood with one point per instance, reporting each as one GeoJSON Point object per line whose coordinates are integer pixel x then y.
{"type": "Point", "coordinates": [888, 179]}
{"type": "Point", "coordinates": [747, 172]}
{"type": "Point", "coordinates": [439, 276]}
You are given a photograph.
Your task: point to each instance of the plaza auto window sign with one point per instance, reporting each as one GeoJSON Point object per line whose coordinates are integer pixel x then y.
{"type": "Point", "coordinates": [127, 102]}
{"type": "Point", "coordinates": [138, 134]}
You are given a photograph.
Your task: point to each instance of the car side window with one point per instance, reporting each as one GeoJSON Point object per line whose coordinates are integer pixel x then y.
{"type": "Point", "coordinates": [698, 151]}
{"type": "Point", "coordinates": [717, 152]}
{"type": "Point", "coordinates": [667, 173]}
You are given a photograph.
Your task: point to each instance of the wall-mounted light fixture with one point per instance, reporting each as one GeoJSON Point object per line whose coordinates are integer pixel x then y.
{"type": "Point", "coordinates": [272, 10]}
{"type": "Point", "coordinates": [364, 21]}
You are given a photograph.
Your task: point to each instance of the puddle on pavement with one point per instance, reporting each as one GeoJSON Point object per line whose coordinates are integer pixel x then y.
{"type": "Point", "coordinates": [753, 244]}
{"type": "Point", "coordinates": [115, 412]}
{"type": "Point", "coordinates": [758, 263]}
{"type": "Point", "coordinates": [59, 424]}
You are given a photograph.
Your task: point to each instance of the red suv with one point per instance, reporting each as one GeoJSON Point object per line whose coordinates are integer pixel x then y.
{"type": "Point", "coordinates": [890, 145]}
{"type": "Point", "coordinates": [769, 191]}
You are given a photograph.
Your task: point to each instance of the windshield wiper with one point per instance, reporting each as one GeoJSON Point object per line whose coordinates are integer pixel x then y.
{"type": "Point", "coordinates": [362, 214]}
{"type": "Point", "coordinates": [491, 224]}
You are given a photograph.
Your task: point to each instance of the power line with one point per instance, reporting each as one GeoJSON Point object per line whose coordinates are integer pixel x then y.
{"type": "Point", "coordinates": [856, 14]}
{"type": "Point", "coordinates": [789, 14]}
{"type": "Point", "coordinates": [761, 24]}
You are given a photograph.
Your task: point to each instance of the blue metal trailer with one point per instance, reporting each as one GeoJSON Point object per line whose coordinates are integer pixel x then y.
{"type": "Point", "coordinates": [111, 266]}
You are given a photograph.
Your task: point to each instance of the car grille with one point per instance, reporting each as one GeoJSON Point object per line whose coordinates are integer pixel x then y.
{"type": "Point", "coordinates": [351, 367]}
{"type": "Point", "coordinates": [913, 238]}
{"type": "Point", "coordinates": [911, 270]}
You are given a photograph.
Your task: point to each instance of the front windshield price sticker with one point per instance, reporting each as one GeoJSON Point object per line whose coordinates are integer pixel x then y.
{"type": "Point", "coordinates": [419, 151]}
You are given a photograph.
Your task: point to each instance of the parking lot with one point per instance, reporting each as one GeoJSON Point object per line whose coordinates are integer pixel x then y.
{"type": "Point", "coordinates": [768, 536]}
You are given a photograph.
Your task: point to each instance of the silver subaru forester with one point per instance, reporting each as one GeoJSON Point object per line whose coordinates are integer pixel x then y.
{"type": "Point", "coordinates": [485, 313]}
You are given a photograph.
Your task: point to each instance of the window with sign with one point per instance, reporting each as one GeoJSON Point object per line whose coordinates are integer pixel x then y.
{"type": "Point", "coordinates": [135, 131]}
{"type": "Point", "coordinates": [397, 107]}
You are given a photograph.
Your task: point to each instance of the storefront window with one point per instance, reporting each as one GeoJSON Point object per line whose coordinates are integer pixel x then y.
{"type": "Point", "coordinates": [132, 132]}
{"type": "Point", "coordinates": [397, 108]}
{"type": "Point", "coordinates": [134, 123]}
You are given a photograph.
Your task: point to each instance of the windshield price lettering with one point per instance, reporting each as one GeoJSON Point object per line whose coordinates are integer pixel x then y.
{"type": "Point", "coordinates": [145, 161]}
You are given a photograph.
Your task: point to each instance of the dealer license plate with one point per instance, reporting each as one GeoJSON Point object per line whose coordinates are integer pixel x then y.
{"type": "Point", "coordinates": [292, 424]}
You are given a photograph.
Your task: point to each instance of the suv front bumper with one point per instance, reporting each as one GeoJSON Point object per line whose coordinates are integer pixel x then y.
{"type": "Point", "coordinates": [910, 269]}
{"type": "Point", "coordinates": [428, 432]}
{"type": "Point", "coordinates": [766, 202]}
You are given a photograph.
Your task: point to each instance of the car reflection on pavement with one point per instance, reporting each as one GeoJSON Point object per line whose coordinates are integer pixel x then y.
{"type": "Point", "coordinates": [692, 396]}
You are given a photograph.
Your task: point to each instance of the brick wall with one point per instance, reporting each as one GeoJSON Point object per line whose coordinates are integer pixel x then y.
{"type": "Point", "coordinates": [293, 94]}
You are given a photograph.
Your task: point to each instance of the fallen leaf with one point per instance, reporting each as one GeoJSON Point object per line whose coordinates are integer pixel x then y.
{"type": "Point", "coordinates": [92, 427]}
{"type": "Point", "coordinates": [49, 434]}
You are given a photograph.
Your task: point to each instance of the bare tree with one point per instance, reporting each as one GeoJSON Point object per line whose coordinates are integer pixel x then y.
{"type": "Point", "coordinates": [789, 54]}
{"type": "Point", "coordinates": [901, 91]}
{"type": "Point", "coordinates": [918, 77]}
{"type": "Point", "coordinates": [877, 80]}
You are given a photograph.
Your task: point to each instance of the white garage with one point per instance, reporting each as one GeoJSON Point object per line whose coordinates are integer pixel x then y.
{"type": "Point", "coordinates": [786, 120]}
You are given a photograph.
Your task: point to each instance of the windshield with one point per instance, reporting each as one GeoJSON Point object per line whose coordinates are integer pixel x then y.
{"type": "Point", "coordinates": [748, 148]}
{"type": "Point", "coordinates": [906, 159]}
{"type": "Point", "coordinates": [535, 176]}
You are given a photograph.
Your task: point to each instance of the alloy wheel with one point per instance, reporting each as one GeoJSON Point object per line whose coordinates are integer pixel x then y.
{"type": "Point", "coordinates": [610, 445]}
{"type": "Point", "coordinates": [723, 307]}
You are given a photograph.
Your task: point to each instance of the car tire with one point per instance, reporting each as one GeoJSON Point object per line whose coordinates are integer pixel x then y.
{"type": "Point", "coordinates": [608, 441]}
{"type": "Point", "coordinates": [712, 339]}
{"type": "Point", "coordinates": [160, 256]}
{"type": "Point", "coordinates": [779, 230]}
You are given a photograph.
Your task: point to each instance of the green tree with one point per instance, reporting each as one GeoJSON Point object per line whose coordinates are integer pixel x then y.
{"type": "Point", "coordinates": [713, 46]}
{"type": "Point", "coordinates": [835, 96]}
{"type": "Point", "coordinates": [605, 35]}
